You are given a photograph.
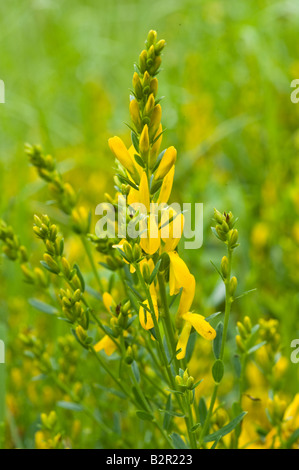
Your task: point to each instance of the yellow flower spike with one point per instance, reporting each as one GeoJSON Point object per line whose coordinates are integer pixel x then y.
{"type": "Point", "coordinates": [166, 187]}
{"type": "Point", "coordinates": [107, 345]}
{"type": "Point", "coordinates": [120, 152]}
{"type": "Point", "coordinates": [145, 317]}
{"type": "Point", "coordinates": [183, 341]}
{"type": "Point", "coordinates": [199, 323]}
{"type": "Point", "coordinates": [167, 162]}
{"type": "Point", "coordinates": [150, 240]}
{"type": "Point", "coordinates": [108, 301]}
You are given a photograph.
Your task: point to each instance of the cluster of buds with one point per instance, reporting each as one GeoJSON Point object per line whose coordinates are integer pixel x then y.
{"type": "Point", "coordinates": [185, 383]}
{"type": "Point", "coordinates": [46, 166]}
{"type": "Point", "coordinates": [132, 253]}
{"type": "Point", "coordinates": [244, 336]}
{"type": "Point", "coordinates": [53, 259]}
{"type": "Point", "coordinates": [225, 230]}
{"type": "Point", "coordinates": [145, 109]}
{"type": "Point", "coordinates": [11, 244]}
{"type": "Point", "coordinates": [68, 359]}
{"type": "Point", "coordinates": [131, 354]}
{"type": "Point", "coordinates": [268, 332]}
{"type": "Point", "coordinates": [35, 348]}
{"type": "Point", "coordinates": [49, 436]}
{"type": "Point", "coordinates": [72, 307]}
{"type": "Point", "coordinates": [225, 275]}
{"type": "Point", "coordinates": [120, 319]}
{"type": "Point", "coordinates": [276, 409]}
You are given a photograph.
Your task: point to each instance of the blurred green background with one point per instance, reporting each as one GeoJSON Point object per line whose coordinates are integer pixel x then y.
{"type": "Point", "coordinates": [227, 69]}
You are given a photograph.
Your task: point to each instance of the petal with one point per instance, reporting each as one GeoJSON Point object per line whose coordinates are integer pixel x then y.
{"type": "Point", "coordinates": [179, 273]}
{"type": "Point", "coordinates": [187, 296]}
{"type": "Point", "coordinates": [145, 317]}
{"type": "Point", "coordinates": [183, 340]}
{"type": "Point", "coordinates": [167, 162]}
{"type": "Point", "coordinates": [202, 327]}
{"type": "Point", "coordinates": [108, 301]}
{"type": "Point", "coordinates": [107, 344]}
{"type": "Point", "coordinates": [166, 187]}
{"type": "Point", "coordinates": [144, 196]}
{"type": "Point", "coordinates": [150, 240]}
{"type": "Point", "coordinates": [120, 152]}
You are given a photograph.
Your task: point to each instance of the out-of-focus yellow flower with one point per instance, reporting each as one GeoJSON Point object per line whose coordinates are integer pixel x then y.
{"type": "Point", "coordinates": [260, 235]}
{"type": "Point", "coordinates": [106, 344]}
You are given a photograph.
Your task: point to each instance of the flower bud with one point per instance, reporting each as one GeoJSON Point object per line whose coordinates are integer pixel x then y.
{"type": "Point", "coordinates": [144, 142]}
{"type": "Point", "coordinates": [233, 285]}
{"type": "Point", "coordinates": [224, 267]}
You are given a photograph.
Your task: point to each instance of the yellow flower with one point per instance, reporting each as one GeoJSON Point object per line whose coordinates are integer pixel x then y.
{"type": "Point", "coordinates": [166, 186]}
{"type": "Point", "coordinates": [106, 343]}
{"type": "Point", "coordinates": [202, 327]}
{"type": "Point", "coordinates": [181, 278]}
{"type": "Point", "coordinates": [122, 154]}
{"type": "Point", "coordinates": [145, 317]}
{"type": "Point", "coordinates": [167, 162]}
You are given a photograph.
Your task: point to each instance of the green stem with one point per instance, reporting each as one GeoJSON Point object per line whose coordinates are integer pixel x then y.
{"type": "Point", "coordinates": [228, 302]}
{"type": "Point", "coordinates": [91, 260]}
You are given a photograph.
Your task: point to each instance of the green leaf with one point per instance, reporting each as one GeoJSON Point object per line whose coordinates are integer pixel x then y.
{"type": "Point", "coordinates": [135, 371]}
{"type": "Point", "coordinates": [79, 274]}
{"type": "Point", "coordinates": [212, 316]}
{"type": "Point", "coordinates": [43, 307]}
{"type": "Point", "coordinates": [137, 398]}
{"type": "Point", "coordinates": [218, 370]}
{"type": "Point", "coordinates": [195, 427]}
{"type": "Point", "coordinates": [178, 441]}
{"type": "Point", "coordinates": [237, 365]}
{"type": "Point", "coordinates": [213, 264]}
{"type": "Point", "coordinates": [293, 438]}
{"type": "Point", "coordinates": [203, 411]}
{"type": "Point", "coordinates": [190, 346]}
{"type": "Point", "coordinates": [218, 340]}
{"type": "Point", "coordinates": [172, 413]}
{"type": "Point", "coordinates": [144, 415]}
{"type": "Point", "coordinates": [139, 160]}
{"type": "Point", "coordinates": [256, 347]}
{"type": "Point", "coordinates": [154, 273]}
{"type": "Point", "coordinates": [225, 430]}
{"type": "Point", "coordinates": [135, 141]}
{"type": "Point", "coordinates": [167, 417]}
{"type": "Point", "coordinates": [68, 405]}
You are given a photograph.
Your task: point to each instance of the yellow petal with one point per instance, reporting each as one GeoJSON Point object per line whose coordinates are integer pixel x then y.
{"type": "Point", "coordinates": [107, 344]}
{"type": "Point", "coordinates": [187, 296]}
{"type": "Point", "coordinates": [179, 274]}
{"type": "Point", "coordinates": [202, 327]}
{"type": "Point", "coordinates": [150, 239]}
{"type": "Point", "coordinates": [166, 187]}
{"type": "Point", "coordinates": [183, 340]}
{"type": "Point", "coordinates": [120, 152]}
{"type": "Point", "coordinates": [144, 196]}
{"type": "Point", "coordinates": [108, 301]}
{"type": "Point", "coordinates": [145, 317]}
{"type": "Point", "coordinates": [173, 230]}
{"type": "Point", "coordinates": [167, 162]}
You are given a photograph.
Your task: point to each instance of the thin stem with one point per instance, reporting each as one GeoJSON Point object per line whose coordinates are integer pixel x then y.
{"type": "Point", "coordinates": [228, 302]}
{"type": "Point", "coordinates": [91, 260]}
